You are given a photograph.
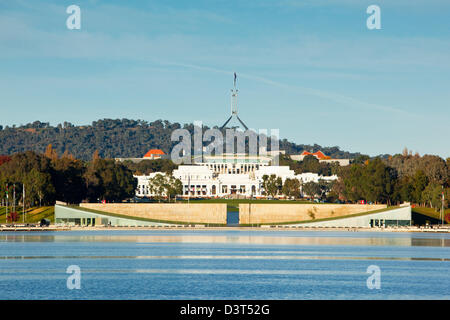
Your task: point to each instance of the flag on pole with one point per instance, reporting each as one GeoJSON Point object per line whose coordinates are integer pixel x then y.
{"type": "Point", "coordinates": [235, 76]}
{"type": "Point", "coordinates": [23, 202]}
{"type": "Point", "coordinates": [189, 184]}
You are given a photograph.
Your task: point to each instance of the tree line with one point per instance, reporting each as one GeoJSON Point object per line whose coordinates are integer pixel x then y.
{"type": "Point", "coordinates": [115, 138]}
{"type": "Point", "coordinates": [48, 178]}
{"type": "Point", "coordinates": [421, 180]}
{"type": "Point", "coordinates": [392, 179]}
{"type": "Point", "coordinates": [310, 164]}
{"type": "Point", "coordinates": [403, 177]}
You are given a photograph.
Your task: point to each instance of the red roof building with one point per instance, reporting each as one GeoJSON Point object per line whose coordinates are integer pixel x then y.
{"type": "Point", "coordinates": [319, 155]}
{"type": "Point", "coordinates": [154, 154]}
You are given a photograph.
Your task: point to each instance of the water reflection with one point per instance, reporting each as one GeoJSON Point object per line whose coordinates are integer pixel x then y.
{"type": "Point", "coordinates": [195, 264]}
{"type": "Point", "coordinates": [319, 238]}
{"type": "Point", "coordinates": [229, 257]}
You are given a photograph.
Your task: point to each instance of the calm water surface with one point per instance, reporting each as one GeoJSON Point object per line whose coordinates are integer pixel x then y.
{"type": "Point", "coordinates": [235, 264]}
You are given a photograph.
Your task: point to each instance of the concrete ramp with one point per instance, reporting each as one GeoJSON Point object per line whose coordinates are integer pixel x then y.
{"type": "Point", "coordinates": [268, 213]}
{"type": "Point", "coordinates": [199, 213]}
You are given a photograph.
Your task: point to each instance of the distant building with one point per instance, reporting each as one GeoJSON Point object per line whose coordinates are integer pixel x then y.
{"type": "Point", "coordinates": [228, 176]}
{"type": "Point", "coordinates": [319, 155]}
{"type": "Point", "coordinates": [152, 154]}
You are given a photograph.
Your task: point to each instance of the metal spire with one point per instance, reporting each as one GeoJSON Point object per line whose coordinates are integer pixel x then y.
{"type": "Point", "coordinates": [234, 112]}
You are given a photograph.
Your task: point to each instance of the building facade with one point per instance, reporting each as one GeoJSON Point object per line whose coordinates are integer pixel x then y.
{"type": "Point", "coordinates": [153, 154]}
{"type": "Point", "coordinates": [319, 155]}
{"type": "Point", "coordinates": [228, 176]}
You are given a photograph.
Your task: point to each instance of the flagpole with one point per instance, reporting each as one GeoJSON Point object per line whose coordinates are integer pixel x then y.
{"type": "Point", "coordinates": [7, 204]}
{"type": "Point", "coordinates": [23, 200]}
{"type": "Point", "coordinates": [442, 210]}
{"type": "Point", "coordinates": [14, 201]}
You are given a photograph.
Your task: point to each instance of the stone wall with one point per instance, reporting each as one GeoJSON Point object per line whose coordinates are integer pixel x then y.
{"type": "Point", "coordinates": [178, 212]}
{"type": "Point", "coordinates": [282, 213]}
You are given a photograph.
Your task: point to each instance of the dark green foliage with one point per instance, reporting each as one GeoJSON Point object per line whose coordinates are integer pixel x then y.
{"type": "Point", "coordinates": [112, 138]}
{"type": "Point", "coordinates": [372, 181]}
{"type": "Point", "coordinates": [333, 152]}
{"type": "Point", "coordinates": [109, 180]}
{"type": "Point", "coordinates": [414, 179]}
{"type": "Point", "coordinates": [291, 188]}
{"type": "Point", "coordinates": [29, 168]}
{"type": "Point", "coordinates": [65, 179]}
{"type": "Point", "coordinates": [146, 167]}
{"type": "Point", "coordinates": [311, 189]}
{"type": "Point", "coordinates": [68, 180]}
{"type": "Point", "coordinates": [310, 164]}
{"type": "Point", "coordinates": [165, 185]}
{"type": "Point", "coordinates": [120, 138]}
{"type": "Point", "coordinates": [272, 184]}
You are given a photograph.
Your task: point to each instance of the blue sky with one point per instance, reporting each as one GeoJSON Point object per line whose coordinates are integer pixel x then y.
{"type": "Point", "coordinates": [312, 69]}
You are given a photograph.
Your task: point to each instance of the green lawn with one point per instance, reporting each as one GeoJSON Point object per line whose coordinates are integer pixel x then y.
{"type": "Point", "coordinates": [422, 215]}
{"type": "Point", "coordinates": [33, 215]}
{"type": "Point", "coordinates": [336, 218]}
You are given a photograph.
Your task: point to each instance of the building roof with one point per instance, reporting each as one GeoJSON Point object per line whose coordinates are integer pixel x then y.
{"type": "Point", "coordinates": [319, 154]}
{"type": "Point", "coordinates": [154, 152]}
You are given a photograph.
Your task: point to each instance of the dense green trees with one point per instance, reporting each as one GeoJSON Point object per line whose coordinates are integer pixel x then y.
{"type": "Point", "coordinates": [415, 179]}
{"type": "Point", "coordinates": [311, 189]}
{"type": "Point", "coordinates": [272, 184]}
{"type": "Point", "coordinates": [48, 178]}
{"type": "Point", "coordinates": [68, 179]}
{"type": "Point", "coordinates": [165, 185]}
{"type": "Point", "coordinates": [109, 180]}
{"type": "Point", "coordinates": [291, 188]}
{"type": "Point", "coordinates": [310, 164]}
{"type": "Point", "coordinates": [28, 168]}
{"type": "Point", "coordinates": [119, 138]}
{"type": "Point", "coordinates": [372, 181]}
{"type": "Point", "coordinates": [431, 195]}
{"type": "Point", "coordinates": [146, 167]}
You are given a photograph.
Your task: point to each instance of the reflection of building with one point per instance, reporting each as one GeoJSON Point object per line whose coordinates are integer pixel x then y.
{"type": "Point", "coordinates": [228, 175]}
{"type": "Point", "coordinates": [319, 155]}
{"type": "Point", "coordinates": [152, 154]}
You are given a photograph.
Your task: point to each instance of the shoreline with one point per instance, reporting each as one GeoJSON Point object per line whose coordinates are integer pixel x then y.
{"type": "Point", "coordinates": [435, 229]}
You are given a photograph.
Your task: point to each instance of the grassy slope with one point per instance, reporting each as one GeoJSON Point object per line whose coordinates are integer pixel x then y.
{"type": "Point", "coordinates": [33, 215]}
{"type": "Point", "coordinates": [336, 218]}
{"type": "Point", "coordinates": [422, 214]}
{"type": "Point", "coordinates": [138, 218]}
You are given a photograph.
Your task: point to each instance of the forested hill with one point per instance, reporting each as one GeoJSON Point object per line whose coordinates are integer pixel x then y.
{"type": "Point", "coordinates": [114, 139]}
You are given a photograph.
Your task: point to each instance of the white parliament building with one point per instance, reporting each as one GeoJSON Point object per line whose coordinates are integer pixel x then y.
{"type": "Point", "coordinates": [228, 175]}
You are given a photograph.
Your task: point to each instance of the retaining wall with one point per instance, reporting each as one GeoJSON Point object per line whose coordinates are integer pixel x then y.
{"type": "Point", "coordinates": [282, 213]}
{"type": "Point", "coordinates": [178, 212]}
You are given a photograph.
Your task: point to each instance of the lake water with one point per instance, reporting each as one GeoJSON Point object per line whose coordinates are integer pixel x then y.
{"type": "Point", "coordinates": [235, 264]}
